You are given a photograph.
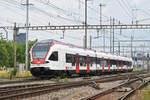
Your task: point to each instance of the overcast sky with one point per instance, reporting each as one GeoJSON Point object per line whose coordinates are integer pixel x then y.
{"type": "Point", "coordinates": [71, 12]}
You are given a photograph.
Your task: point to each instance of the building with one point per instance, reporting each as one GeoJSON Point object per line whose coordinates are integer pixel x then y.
{"type": "Point", "coordinates": [21, 38]}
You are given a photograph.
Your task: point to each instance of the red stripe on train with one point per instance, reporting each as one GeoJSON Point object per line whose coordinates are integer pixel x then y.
{"type": "Point", "coordinates": [38, 61]}
{"type": "Point", "coordinates": [88, 67]}
{"type": "Point", "coordinates": [118, 66]}
{"type": "Point", "coordinates": [77, 64]}
{"type": "Point", "coordinates": [66, 67]}
{"type": "Point", "coordinates": [108, 65]}
{"type": "Point", "coordinates": [127, 66]}
{"type": "Point", "coordinates": [103, 66]}
{"type": "Point", "coordinates": [121, 66]}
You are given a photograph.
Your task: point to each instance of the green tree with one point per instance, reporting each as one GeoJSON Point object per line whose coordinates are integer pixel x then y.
{"type": "Point", "coordinates": [7, 52]}
{"type": "Point", "coordinates": [3, 56]}
{"type": "Point", "coordinates": [21, 53]}
{"type": "Point", "coordinates": [10, 49]}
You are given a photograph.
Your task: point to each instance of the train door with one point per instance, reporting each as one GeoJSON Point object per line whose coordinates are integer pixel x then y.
{"type": "Point", "coordinates": [108, 65]}
{"type": "Point", "coordinates": [62, 60]}
{"type": "Point", "coordinates": [88, 63]}
{"type": "Point", "coordinates": [118, 66]}
{"type": "Point", "coordinates": [77, 63]}
{"type": "Point", "coordinates": [103, 65]}
{"type": "Point", "coordinates": [127, 66]}
{"type": "Point", "coordinates": [121, 65]}
{"type": "Point", "coordinates": [54, 59]}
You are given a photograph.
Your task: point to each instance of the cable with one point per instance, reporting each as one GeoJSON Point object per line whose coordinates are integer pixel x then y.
{"type": "Point", "coordinates": [124, 9]}
{"type": "Point", "coordinates": [66, 12]}
{"type": "Point", "coordinates": [127, 5]}
{"type": "Point", "coordinates": [10, 4]}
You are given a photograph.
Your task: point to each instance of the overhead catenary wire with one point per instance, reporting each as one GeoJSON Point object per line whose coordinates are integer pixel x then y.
{"type": "Point", "coordinates": [9, 6]}
{"type": "Point", "coordinates": [44, 12]}
{"type": "Point", "coordinates": [127, 5]}
{"type": "Point", "coordinates": [22, 8]}
{"type": "Point", "coordinates": [126, 11]}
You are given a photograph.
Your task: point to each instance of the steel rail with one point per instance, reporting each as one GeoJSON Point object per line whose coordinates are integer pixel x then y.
{"type": "Point", "coordinates": [131, 93]}
{"type": "Point", "coordinates": [20, 93]}
{"type": "Point", "coordinates": [109, 91]}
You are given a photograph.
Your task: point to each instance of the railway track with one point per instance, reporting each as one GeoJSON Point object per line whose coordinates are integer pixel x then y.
{"type": "Point", "coordinates": [24, 80]}
{"type": "Point", "coordinates": [122, 91]}
{"type": "Point", "coordinates": [133, 92]}
{"type": "Point", "coordinates": [16, 92]}
{"type": "Point", "coordinates": [27, 80]}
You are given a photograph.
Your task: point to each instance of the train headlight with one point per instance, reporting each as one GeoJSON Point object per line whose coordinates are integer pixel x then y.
{"type": "Point", "coordinates": [32, 62]}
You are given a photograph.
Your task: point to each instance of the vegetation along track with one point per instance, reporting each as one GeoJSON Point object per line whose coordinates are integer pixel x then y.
{"type": "Point", "coordinates": [23, 80]}
{"type": "Point", "coordinates": [38, 89]}
{"type": "Point", "coordinates": [32, 79]}
{"type": "Point", "coordinates": [122, 91]}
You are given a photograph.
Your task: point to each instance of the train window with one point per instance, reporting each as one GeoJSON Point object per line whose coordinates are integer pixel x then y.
{"type": "Point", "coordinates": [113, 62]}
{"type": "Point", "coordinates": [73, 60]}
{"type": "Point", "coordinates": [109, 62]}
{"type": "Point", "coordinates": [54, 56]}
{"type": "Point", "coordinates": [68, 58]}
{"type": "Point", "coordinates": [92, 60]}
{"type": "Point", "coordinates": [130, 64]}
{"type": "Point", "coordinates": [105, 63]}
{"type": "Point", "coordinates": [124, 63]}
{"type": "Point", "coordinates": [40, 49]}
{"type": "Point", "coordinates": [119, 63]}
{"type": "Point", "coordinates": [99, 61]}
{"type": "Point", "coordinates": [82, 60]}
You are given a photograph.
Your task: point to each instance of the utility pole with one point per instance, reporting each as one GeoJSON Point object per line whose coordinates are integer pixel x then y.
{"type": "Point", "coordinates": [113, 35]}
{"type": "Point", "coordinates": [143, 55]}
{"type": "Point", "coordinates": [134, 16]}
{"type": "Point", "coordinates": [131, 46]}
{"type": "Point", "coordinates": [101, 5]}
{"type": "Point", "coordinates": [147, 61]}
{"type": "Point", "coordinates": [63, 35]}
{"type": "Point", "coordinates": [119, 47]}
{"type": "Point", "coordinates": [104, 40]}
{"type": "Point", "coordinates": [90, 42]}
{"type": "Point", "coordinates": [15, 34]}
{"type": "Point", "coordinates": [123, 51]}
{"type": "Point", "coordinates": [85, 41]}
{"type": "Point", "coordinates": [27, 31]}
{"type": "Point", "coordinates": [110, 35]}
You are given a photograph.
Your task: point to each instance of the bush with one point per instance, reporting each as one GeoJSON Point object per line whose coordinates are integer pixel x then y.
{"type": "Point", "coordinates": [13, 71]}
{"type": "Point", "coordinates": [66, 79]}
{"type": "Point", "coordinates": [4, 74]}
{"type": "Point", "coordinates": [25, 74]}
{"type": "Point", "coordinates": [58, 79]}
{"type": "Point", "coordinates": [138, 69]}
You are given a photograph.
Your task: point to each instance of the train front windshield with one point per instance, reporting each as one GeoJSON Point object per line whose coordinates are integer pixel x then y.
{"type": "Point", "coordinates": [40, 49]}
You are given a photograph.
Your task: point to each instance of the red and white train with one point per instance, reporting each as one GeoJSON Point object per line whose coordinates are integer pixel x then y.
{"type": "Point", "coordinates": [51, 58]}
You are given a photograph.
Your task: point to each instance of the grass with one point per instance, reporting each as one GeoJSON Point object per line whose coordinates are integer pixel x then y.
{"type": "Point", "coordinates": [58, 79]}
{"type": "Point", "coordinates": [4, 74]}
{"type": "Point", "coordinates": [25, 74]}
{"type": "Point", "coordinates": [7, 74]}
{"type": "Point", "coordinates": [144, 94]}
{"type": "Point", "coordinates": [138, 69]}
